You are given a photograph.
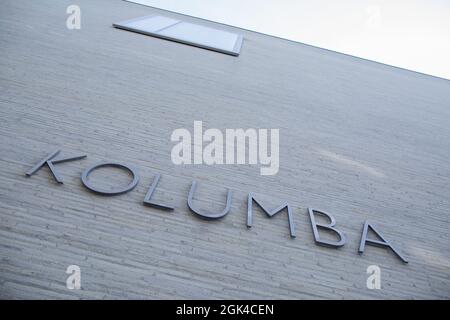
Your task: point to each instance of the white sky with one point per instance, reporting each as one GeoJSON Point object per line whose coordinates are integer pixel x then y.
{"type": "Point", "coordinates": [412, 34]}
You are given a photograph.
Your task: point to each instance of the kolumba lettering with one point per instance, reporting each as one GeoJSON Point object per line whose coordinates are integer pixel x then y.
{"type": "Point", "coordinates": [327, 227]}
{"type": "Point", "coordinates": [116, 191]}
{"type": "Point", "coordinates": [208, 215]}
{"type": "Point", "coordinates": [148, 196]}
{"type": "Point", "coordinates": [48, 160]}
{"type": "Point", "coordinates": [270, 213]}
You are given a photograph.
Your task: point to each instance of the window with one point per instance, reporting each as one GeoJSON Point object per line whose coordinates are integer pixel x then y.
{"type": "Point", "coordinates": [185, 32]}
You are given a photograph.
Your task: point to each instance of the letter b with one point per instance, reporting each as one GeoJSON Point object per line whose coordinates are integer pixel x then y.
{"type": "Point", "coordinates": [329, 226]}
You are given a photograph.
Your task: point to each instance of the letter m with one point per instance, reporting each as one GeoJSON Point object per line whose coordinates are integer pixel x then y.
{"type": "Point", "coordinates": [270, 213]}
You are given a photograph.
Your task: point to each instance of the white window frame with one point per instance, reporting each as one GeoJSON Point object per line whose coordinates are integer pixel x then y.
{"type": "Point", "coordinates": [124, 25]}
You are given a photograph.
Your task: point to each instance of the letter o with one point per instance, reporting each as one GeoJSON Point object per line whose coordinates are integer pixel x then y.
{"type": "Point", "coordinates": [116, 191]}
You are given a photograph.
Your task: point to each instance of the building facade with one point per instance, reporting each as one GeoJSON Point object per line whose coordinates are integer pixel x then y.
{"type": "Point", "coordinates": [359, 140]}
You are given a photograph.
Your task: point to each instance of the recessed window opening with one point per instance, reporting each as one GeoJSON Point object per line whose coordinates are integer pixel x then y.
{"type": "Point", "coordinates": [185, 32]}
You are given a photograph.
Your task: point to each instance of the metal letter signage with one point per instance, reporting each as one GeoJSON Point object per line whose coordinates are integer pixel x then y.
{"type": "Point", "coordinates": [50, 163]}
{"type": "Point", "coordinates": [116, 191]}
{"type": "Point", "coordinates": [149, 194]}
{"type": "Point", "coordinates": [270, 213]}
{"type": "Point", "coordinates": [208, 215]}
{"type": "Point", "coordinates": [384, 243]}
{"type": "Point", "coordinates": [48, 160]}
{"type": "Point", "coordinates": [329, 226]}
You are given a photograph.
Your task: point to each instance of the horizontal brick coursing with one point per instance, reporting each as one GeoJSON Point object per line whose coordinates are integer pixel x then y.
{"type": "Point", "coordinates": [358, 139]}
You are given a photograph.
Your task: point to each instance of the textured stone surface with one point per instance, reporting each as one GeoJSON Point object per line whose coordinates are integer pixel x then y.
{"type": "Point", "coordinates": [359, 139]}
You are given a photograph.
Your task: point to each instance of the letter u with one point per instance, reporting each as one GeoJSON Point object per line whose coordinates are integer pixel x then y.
{"type": "Point", "coordinates": [208, 215]}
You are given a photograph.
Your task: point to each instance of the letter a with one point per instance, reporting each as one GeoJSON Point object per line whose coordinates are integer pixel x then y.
{"type": "Point", "coordinates": [383, 243]}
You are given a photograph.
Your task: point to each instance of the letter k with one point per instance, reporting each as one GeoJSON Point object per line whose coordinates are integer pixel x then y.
{"type": "Point", "coordinates": [50, 163]}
